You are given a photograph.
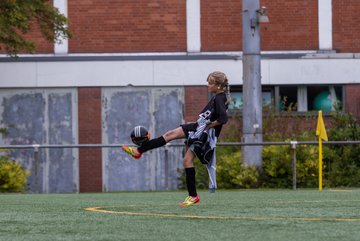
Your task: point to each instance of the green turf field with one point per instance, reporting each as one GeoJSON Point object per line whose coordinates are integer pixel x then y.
{"type": "Point", "coordinates": [226, 215]}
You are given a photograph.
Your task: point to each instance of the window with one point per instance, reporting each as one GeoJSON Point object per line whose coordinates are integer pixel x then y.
{"type": "Point", "coordinates": [295, 98]}
{"type": "Point", "coordinates": [287, 98]}
{"type": "Point", "coordinates": [325, 98]}
{"type": "Point", "coordinates": [237, 97]}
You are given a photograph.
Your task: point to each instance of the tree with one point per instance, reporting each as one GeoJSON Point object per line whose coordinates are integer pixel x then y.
{"type": "Point", "coordinates": [17, 17]}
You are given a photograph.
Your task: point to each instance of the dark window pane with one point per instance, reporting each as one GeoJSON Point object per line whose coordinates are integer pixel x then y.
{"type": "Point", "coordinates": [288, 98]}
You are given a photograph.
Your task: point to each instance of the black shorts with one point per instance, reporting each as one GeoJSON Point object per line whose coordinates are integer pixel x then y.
{"type": "Point", "coordinates": [189, 127]}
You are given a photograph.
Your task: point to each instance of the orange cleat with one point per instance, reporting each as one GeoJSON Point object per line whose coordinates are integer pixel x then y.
{"type": "Point", "coordinates": [132, 151]}
{"type": "Point", "coordinates": [189, 200]}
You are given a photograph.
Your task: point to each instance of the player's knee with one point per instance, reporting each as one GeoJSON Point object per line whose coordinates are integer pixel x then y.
{"type": "Point", "coordinates": [188, 163]}
{"type": "Point", "coordinates": [171, 135]}
{"type": "Point", "coordinates": [188, 160]}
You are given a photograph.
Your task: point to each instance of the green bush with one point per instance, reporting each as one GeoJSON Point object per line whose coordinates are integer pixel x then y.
{"type": "Point", "coordinates": [12, 175]}
{"type": "Point", "coordinates": [277, 166]}
{"type": "Point", "coordinates": [230, 173]}
{"type": "Point", "coordinates": [240, 175]}
{"type": "Point", "coordinates": [342, 162]}
{"type": "Point", "coordinates": [276, 170]}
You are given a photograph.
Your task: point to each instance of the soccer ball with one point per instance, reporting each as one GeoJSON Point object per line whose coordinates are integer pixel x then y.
{"type": "Point", "coordinates": [140, 135]}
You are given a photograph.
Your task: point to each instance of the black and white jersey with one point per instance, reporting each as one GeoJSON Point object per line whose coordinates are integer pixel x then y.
{"type": "Point", "coordinates": [216, 109]}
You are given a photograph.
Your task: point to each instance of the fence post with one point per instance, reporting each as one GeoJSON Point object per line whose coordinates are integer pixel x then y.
{"type": "Point", "coordinates": [36, 163]}
{"type": "Point", "coordinates": [293, 146]}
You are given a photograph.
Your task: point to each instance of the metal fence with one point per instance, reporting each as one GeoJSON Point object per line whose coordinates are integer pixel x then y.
{"type": "Point", "coordinates": [292, 144]}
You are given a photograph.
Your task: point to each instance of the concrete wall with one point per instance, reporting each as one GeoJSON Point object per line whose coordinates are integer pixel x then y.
{"type": "Point", "coordinates": [309, 69]}
{"type": "Point", "coordinates": [159, 110]}
{"type": "Point", "coordinates": [50, 116]}
{"type": "Point", "coordinates": [43, 116]}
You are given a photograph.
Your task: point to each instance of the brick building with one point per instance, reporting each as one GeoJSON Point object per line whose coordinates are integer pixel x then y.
{"type": "Point", "coordinates": [146, 62]}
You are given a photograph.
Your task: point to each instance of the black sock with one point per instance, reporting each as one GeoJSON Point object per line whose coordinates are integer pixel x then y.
{"type": "Point", "coordinates": [154, 143]}
{"type": "Point", "coordinates": [190, 181]}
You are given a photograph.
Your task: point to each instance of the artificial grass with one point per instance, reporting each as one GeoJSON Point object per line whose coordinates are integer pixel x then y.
{"type": "Point", "coordinates": [226, 215]}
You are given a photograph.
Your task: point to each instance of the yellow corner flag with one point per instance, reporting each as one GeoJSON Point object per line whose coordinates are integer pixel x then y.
{"type": "Point", "coordinates": [321, 133]}
{"type": "Point", "coordinates": [320, 128]}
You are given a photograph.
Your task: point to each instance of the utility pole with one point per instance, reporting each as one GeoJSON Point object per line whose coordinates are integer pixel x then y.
{"type": "Point", "coordinates": [252, 94]}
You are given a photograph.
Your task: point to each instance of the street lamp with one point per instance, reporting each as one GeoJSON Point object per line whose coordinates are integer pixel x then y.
{"type": "Point", "coordinates": [262, 15]}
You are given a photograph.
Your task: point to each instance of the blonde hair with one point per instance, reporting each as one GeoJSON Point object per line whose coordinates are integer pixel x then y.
{"type": "Point", "coordinates": [220, 79]}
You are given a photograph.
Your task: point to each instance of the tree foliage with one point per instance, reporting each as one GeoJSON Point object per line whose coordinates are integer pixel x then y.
{"type": "Point", "coordinates": [18, 17]}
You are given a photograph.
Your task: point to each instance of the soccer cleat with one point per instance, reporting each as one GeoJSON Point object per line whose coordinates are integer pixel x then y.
{"type": "Point", "coordinates": [189, 200]}
{"type": "Point", "coordinates": [132, 151]}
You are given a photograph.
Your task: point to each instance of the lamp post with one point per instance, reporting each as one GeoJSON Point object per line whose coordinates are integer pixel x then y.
{"type": "Point", "coordinates": [252, 94]}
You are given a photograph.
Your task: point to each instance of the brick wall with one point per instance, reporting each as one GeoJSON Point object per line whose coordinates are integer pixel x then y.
{"type": "Point", "coordinates": [160, 26]}
{"type": "Point", "coordinates": [352, 99]}
{"type": "Point", "coordinates": [127, 26]}
{"type": "Point", "coordinates": [346, 21]}
{"type": "Point", "coordinates": [293, 25]}
{"type": "Point", "coordinates": [90, 159]}
{"type": "Point", "coordinates": [42, 45]}
{"type": "Point", "coordinates": [196, 97]}
{"type": "Point", "coordinates": [284, 123]}
{"type": "Point", "coordinates": [221, 28]}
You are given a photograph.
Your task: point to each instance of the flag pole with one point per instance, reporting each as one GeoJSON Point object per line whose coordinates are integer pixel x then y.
{"type": "Point", "coordinates": [320, 164]}
{"type": "Point", "coordinates": [321, 133]}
